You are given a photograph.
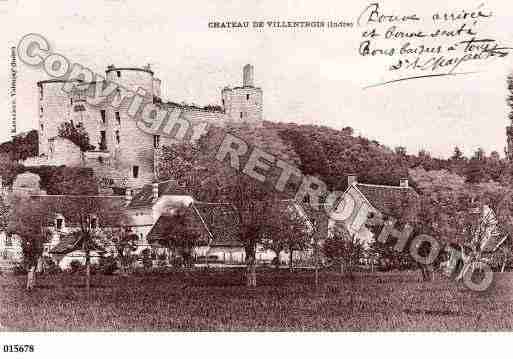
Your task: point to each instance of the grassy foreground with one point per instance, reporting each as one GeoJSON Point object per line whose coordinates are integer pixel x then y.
{"type": "Point", "coordinates": [218, 300]}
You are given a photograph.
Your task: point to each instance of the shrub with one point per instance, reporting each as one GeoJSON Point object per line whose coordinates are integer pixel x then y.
{"type": "Point", "coordinates": [108, 265]}
{"type": "Point", "coordinates": [75, 266]}
{"type": "Point", "coordinates": [50, 266]}
{"type": "Point", "coordinates": [146, 258]}
{"type": "Point", "coordinates": [19, 270]}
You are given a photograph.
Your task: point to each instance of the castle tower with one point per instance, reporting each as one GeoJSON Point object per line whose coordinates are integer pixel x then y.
{"type": "Point", "coordinates": [243, 104]}
{"type": "Point", "coordinates": [54, 108]}
{"type": "Point", "coordinates": [132, 148]}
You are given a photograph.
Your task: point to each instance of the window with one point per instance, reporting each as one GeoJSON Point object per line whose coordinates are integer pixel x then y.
{"type": "Point", "coordinates": [118, 118]}
{"type": "Point", "coordinates": [135, 172]}
{"type": "Point", "coordinates": [42, 127]}
{"type": "Point", "coordinates": [40, 92]}
{"type": "Point", "coordinates": [247, 97]}
{"type": "Point", "coordinates": [8, 240]}
{"type": "Point", "coordinates": [94, 222]}
{"type": "Point", "coordinates": [118, 73]}
{"type": "Point", "coordinates": [71, 100]}
{"type": "Point", "coordinates": [41, 110]}
{"type": "Point", "coordinates": [102, 113]}
{"type": "Point", "coordinates": [156, 141]}
{"type": "Point", "coordinates": [222, 101]}
{"type": "Point", "coordinates": [117, 136]}
{"type": "Point", "coordinates": [103, 141]}
{"type": "Point", "coordinates": [241, 115]}
{"type": "Point", "coordinates": [59, 223]}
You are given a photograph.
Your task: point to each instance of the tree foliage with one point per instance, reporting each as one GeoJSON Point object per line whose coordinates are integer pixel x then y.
{"type": "Point", "coordinates": [76, 134]}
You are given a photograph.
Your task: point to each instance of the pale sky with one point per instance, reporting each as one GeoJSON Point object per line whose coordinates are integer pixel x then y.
{"type": "Point", "coordinates": [307, 76]}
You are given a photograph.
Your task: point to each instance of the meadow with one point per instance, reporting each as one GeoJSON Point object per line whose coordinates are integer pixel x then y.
{"type": "Point", "coordinates": [217, 300]}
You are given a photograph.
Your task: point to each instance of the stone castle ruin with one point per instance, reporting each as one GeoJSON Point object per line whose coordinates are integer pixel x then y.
{"type": "Point", "coordinates": [123, 154]}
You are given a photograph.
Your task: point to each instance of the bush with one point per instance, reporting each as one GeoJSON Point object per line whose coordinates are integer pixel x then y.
{"type": "Point", "coordinates": [75, 266]}
{"type": "Point", "coordinates": [50, 267]}
{"type": "Point", "coordinates": [146, 258]}
{"type": "Point", "coordinates": [19, 270]}
{"type": "Point", "coordinates": [108, 265]}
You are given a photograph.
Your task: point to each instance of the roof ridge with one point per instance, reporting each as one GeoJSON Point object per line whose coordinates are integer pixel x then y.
{"type": "Point", "coordinates": [382, 186]}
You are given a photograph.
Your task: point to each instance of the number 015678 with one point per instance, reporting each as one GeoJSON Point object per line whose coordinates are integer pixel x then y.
{"type": "Point", "coordinates": [18, 348]}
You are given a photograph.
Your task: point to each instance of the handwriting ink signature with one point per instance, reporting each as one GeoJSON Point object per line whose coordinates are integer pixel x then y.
{"type": "Point", "coordinates": [371, 14]}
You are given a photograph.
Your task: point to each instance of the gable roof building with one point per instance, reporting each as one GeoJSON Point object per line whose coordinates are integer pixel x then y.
{"type": "Point", "coordinates": [367, 199]}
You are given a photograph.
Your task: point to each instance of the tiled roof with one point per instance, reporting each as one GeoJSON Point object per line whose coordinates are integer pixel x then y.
{"type": "Point", "coordinates": [167, 222]}
{"type": "Point", "coordinates": [58, 204]}
{"type": "Point", "coordinates": [221, 221]}
{"type": "Point", "coordinates": [69, 243]}
{"type": "Point", "coordinates": [145, 196]}
{"type": "Point", "coordinates": [385, 198]}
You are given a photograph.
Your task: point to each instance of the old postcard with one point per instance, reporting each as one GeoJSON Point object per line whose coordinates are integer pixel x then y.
{"type": "Point", "coordinates": [290, 166]}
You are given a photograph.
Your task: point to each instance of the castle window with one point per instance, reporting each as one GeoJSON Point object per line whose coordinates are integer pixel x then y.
{"type": "Point", "coordinates": [102, 113]}
{"type": "Point", "coordinates": [118, 118]}
{"type": "Point", "coordinates": [156, 141]}
{"type": "Point", "coordinates": [103, 141]}
{"type": "Point", "coordinates": [117, 136]}
{"type": "Point", "coordinates": [8, 240]}
{"type": "Point", "coordinates": [241, 115]}
{"type": "Point", "coordinates": [135, 171]}
{"type": "Point", "coordinates": [58, 223]}
{"type": "Point", "coordinates": [247, 97]}
{"type": "Point", "coordinates": [118, 73]}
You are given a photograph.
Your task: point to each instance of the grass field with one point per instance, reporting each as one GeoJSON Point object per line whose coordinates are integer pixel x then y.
{"type": "Point", "coordinates": [218, 300]}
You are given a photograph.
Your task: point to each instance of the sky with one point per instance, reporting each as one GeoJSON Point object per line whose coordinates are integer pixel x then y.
{"type": "Point", "coordinates": [307, 75]}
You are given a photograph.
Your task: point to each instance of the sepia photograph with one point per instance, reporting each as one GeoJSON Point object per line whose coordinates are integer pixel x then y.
{"type": "Point", "coordinates": [314, 168]}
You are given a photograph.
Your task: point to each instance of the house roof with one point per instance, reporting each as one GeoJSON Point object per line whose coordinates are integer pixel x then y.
{"type": "Point", "coordinates": [58, 204]}
{"type": "Point", "coordinates": [218, 220]}
{"type": "Point", "coordinates": [69, 243]}
{"type": "Point", "coordinates": [167, 222]}
{"type": "Point", "coordinates": [385, 198]}
{"type": "Point", "coordinates": [145, 196]}
{"type": "Point", "coordinates": [221, 221]}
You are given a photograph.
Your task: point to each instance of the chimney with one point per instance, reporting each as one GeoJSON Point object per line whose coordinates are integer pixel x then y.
{"type": "Point", "coordinates": [247, 76]}
{"type": "Point", "coordinates": [155, 188]}
{"type": "Point", "coordinates": [128, 195]}
{"type": "Point", "coordinates": [351, 179]}
{"type": "Point", "coordinates": [403, 182]}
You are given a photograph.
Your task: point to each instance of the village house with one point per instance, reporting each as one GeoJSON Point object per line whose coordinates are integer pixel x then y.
{"type": "Point", "coordinates": [373, 200]}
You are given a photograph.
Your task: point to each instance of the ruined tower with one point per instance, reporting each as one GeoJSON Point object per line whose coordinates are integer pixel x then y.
{"type": "Point", "coordinates": [243, 104]}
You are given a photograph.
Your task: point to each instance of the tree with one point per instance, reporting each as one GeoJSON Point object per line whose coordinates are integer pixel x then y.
{"type": "Point", "coordinates": [181, 232]}
{"type": "Point", "coordinates": [88, 214]}
{"type": "Point", "coordinates": [76, 134]}
{"type": "Point", "coordinates": [457, 154]}
{"type": "Point", "coordinates": [451, 211]}
{"type": "Point", "coordinates": [124, 242]}
{"type": "Point", "coordinates": [286, 230]}
{"type": "Point", "coordinates": [28, 219]}
{"type": "Point", "coordinates": [344, 249]}
{"type": "Point", "coordinates": [210, 180]}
